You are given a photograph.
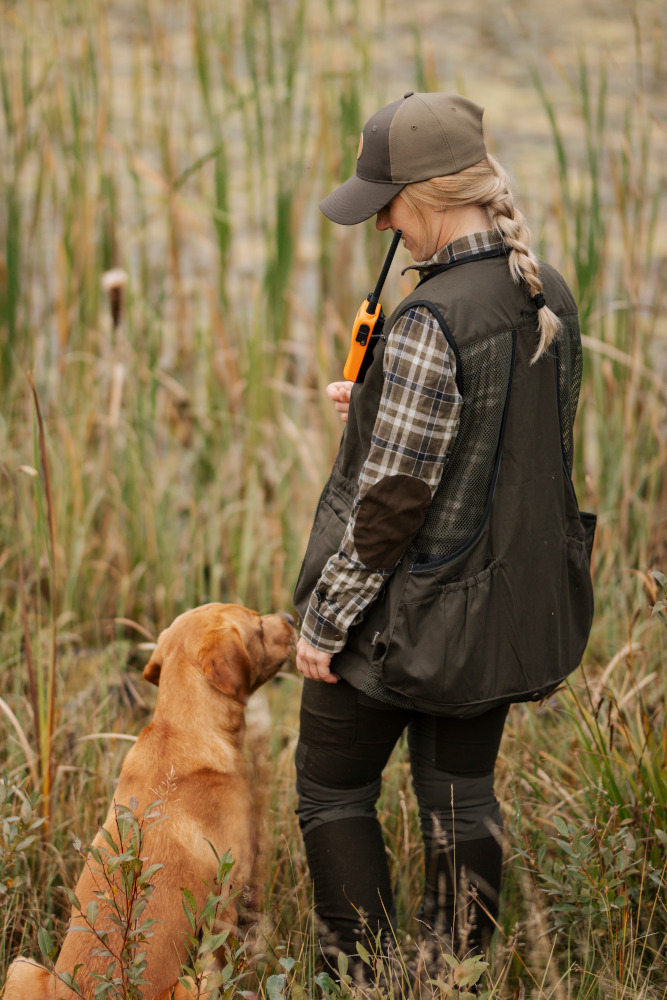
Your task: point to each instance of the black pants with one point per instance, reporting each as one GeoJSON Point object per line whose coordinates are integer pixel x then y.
{"type": "Point", "coordinates": [345, 741]}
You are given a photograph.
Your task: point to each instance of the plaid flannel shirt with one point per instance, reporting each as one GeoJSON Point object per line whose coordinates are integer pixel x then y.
{"type": "Point", "coordinates": [414, 433]}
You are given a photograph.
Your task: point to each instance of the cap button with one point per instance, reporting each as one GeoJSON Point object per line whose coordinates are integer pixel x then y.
{"type": "Point", "coordinates": [409, 93]}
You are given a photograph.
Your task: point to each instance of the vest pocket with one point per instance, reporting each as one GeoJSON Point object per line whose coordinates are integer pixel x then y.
{"type": "Point", "coordinates": [578, 598]}
{"type": "Point", "coordinates": [440, 634]}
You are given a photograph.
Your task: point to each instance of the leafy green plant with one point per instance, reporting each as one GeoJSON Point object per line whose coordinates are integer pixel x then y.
{"type": "Point", "coordinates": [388, 976]}
{"type": "Point", "coordinates": [603, 888]}
{"type": "Point", "coordinates": [288, 982]}
{"type": "Point", "coordinates": [20, 831]}
{"type": "Point", "coordinates": [114, 916]}
{"type": "Point", "coordinates": [216, 960]}
{"type": "Point", "coordinates": [589, 875]}
{"type": "Point", "coordinates": [463, 981]}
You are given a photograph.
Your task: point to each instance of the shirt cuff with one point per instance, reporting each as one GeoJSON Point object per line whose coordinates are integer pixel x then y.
{"type": "Point", "coordinates": [320, 633]}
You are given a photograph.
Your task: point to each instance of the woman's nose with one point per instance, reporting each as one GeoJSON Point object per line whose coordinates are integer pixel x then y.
{"type": "Point", "coordinates": [382, 220]}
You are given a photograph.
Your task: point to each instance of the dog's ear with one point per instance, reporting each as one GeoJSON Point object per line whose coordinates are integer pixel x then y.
{"type": "Point", "coordinates": [153, 667]}
{"type": "Point", "coordinates": [226, 664]}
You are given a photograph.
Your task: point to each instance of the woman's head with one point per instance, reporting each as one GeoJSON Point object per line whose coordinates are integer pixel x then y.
{"type": "Point", "coordinates": [429, 149]}
{"type": "Point", "coordinates": [485, 184]}
{"type": "Point", "coordinates": [420, 136]}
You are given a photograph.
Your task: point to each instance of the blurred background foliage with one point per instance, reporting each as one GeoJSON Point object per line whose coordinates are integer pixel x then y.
{"type": "Point", "coordinates": [172, 305]}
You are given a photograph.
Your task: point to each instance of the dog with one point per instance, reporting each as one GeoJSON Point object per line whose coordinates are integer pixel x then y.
{"type": "Point", "coordinates": [206, 664]}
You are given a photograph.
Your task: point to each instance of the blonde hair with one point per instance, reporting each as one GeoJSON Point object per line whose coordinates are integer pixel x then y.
{"type": "Point", "coordinates": [486, 184]}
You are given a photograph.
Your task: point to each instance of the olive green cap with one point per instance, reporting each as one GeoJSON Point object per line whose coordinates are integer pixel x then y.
{"type": "Point", "coordinates": [419, 137]}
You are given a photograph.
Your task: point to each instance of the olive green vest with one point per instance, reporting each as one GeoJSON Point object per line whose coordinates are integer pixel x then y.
{"type": "Point", "coordinates": [493, 600]}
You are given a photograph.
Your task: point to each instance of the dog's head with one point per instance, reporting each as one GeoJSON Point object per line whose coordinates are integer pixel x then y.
{"type": "Point", "coordinates": [236, 649]}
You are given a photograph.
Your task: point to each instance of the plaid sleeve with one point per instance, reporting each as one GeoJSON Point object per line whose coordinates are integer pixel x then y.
{"type": "Point", "coordinates": [414, 432]}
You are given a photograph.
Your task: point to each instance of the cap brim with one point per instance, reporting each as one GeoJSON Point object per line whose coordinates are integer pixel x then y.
{"type": "Point", "coordinates": [357, 200]}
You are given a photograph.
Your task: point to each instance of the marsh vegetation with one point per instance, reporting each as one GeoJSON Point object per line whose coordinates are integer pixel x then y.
{"type": "Point", "coordinates": [163, 433]}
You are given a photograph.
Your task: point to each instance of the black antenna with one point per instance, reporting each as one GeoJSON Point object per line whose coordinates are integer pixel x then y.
{"type": "Point", "coordinates": [374, 297]}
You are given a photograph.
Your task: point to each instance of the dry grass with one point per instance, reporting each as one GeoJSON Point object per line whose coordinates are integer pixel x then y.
{"type": "Point", "coordinates": [175, 442]}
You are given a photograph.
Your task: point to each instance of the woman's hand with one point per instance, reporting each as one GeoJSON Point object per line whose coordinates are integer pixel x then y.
{"type": "Point", "coordinates": [339, 393]}
{"type": "Point", "coordinates": [314, 664]}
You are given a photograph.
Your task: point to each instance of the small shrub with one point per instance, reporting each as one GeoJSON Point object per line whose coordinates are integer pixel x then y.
{"type": "Point", "coordinates": [19, 831]}
{"type": "Point", "coordinates": [114, 916]}
{"type": "Point", "coordinates": [216, 960]}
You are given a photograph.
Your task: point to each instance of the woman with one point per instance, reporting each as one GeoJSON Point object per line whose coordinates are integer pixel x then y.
{"type": "Point", "coordinates": [448, 569]}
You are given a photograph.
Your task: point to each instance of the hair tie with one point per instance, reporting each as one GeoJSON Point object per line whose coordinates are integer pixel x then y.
{"type": "Point", "coordinates": [539, 300]}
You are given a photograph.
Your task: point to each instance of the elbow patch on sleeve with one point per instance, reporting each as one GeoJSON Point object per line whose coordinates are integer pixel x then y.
{"type": "Point", "coordinates": [388, 518]}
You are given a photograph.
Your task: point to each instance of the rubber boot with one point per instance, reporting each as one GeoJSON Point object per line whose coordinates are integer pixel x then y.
{"type": "Point", "coordinates": [353, 896]}
{"type": "Point", "coordinates": [461, 894]}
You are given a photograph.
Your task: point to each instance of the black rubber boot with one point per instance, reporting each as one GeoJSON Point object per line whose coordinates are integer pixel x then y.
{"type": "Point", "coordinates": [353, 896]}
{"type": "Point", "coordinates": [461, 893]}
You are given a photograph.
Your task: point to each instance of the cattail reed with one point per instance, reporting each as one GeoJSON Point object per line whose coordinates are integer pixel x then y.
{"type": "Point", "coordinates": [113, 283]}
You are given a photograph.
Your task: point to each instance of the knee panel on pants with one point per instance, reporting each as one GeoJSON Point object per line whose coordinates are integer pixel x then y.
{"type": "Point", "coordinates": [346, 740]}
{"type": "Point", "coordinates": [455, 807]}
{"type": "Point", "coordinates": [320, 803]}
{"type": "Point", "coordinates": [453, 762]}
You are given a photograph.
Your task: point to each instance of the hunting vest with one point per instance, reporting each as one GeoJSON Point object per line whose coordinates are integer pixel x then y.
{"type": "Point", "coordinates": [492, 602]}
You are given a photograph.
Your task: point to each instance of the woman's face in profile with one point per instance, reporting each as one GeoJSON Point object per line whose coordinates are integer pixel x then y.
{"type": "Point", "coordinates": [397, 215]}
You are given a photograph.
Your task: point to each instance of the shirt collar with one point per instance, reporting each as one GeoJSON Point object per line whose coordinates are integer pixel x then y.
{"type": "Point", "coordinates": [463, 246]}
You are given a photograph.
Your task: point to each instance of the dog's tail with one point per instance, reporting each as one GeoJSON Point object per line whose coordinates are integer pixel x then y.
{"type": "Point", "coordinates": [26, 980]}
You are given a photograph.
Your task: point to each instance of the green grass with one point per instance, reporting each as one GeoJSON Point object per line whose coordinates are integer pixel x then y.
{"type": "Point", "coordinates": [174, 455]}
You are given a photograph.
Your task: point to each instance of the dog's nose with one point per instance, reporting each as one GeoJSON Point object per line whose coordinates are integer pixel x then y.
{"type": "Point", "coordinates": [288, 618]}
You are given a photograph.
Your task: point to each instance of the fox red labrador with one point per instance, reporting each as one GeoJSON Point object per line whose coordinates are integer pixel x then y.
{"type": "Point", "coordinates": [206, 664]}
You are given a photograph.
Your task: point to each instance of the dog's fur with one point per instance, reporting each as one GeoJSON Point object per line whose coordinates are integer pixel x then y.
{"type": "Point", "coordinates": [206, 664]}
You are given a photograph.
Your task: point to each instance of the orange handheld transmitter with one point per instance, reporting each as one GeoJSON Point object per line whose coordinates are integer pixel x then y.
{"type": "Point", "coordinates": [368, 324]}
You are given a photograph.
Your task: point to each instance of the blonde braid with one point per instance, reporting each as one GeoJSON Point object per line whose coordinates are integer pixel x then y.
{"type": "Point", "coordinates": [486, 184]}
{"type": "Point", "coordinates": [523, 263]}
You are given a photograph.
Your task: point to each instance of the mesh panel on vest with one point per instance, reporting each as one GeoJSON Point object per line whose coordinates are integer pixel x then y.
{"type": "Point", "coordinates": [570, 365]}
{"type": "Point", "coordinates": [374, 688]}
{"type": "Point", "coordinates": [459, 503]}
